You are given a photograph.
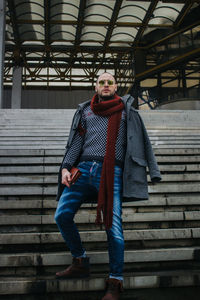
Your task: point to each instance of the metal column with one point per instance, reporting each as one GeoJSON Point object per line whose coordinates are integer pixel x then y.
{"type": "Point", "coordinates": [2, 47]}
{"type": "Point", "coordinates": [16, 88]}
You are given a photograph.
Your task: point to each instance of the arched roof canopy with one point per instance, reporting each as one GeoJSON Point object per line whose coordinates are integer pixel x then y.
{"type": "Point", "coordinates": [69, 43]}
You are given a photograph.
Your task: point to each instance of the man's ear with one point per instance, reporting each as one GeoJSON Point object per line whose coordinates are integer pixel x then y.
{"type": "Point", "coordinates": [115, 87]}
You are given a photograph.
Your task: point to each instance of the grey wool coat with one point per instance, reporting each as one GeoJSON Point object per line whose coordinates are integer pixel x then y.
{"type": "Point", "coordinates": [139, 154]}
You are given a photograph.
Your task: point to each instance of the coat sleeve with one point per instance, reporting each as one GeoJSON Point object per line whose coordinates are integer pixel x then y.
{"type": "Point", "coordinates": [73, 130]}
{"type": "Point", "coordinates": [150, 157]}
{"type": "Point", "coordinates": [75, 147]}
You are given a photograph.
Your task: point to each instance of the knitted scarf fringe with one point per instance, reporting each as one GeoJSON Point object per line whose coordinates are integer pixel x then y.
{"type": "Point", "coordinates": [113, 109]}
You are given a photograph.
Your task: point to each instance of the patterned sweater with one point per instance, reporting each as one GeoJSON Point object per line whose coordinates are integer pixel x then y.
{"type": "Point", "coordinates": [89, 142]}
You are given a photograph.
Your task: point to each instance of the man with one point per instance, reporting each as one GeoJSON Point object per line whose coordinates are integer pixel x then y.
{"type": "Point", "coordinates": [109, 144]}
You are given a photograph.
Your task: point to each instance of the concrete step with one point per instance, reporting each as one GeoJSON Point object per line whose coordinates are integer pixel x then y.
{"type": "Point", "coordinates": [41, 189]}
{"type": "Point", "coordinates": [43, 179]}
{"type": "Point", "coordinates": [175, 120]}
{"type": "Point", "coordinates": [48, 285]}
{"type": "Point", "coordinates": [85, 220]}
{"type": "Point", "coordinates": [100, 236]}
{"type": "Point", "coordinates": [40, 147]}
{"type": "Point", "coordinates": [101, 257]}
{"type": "Point", "coordinates": [32, 138]}
{"type": "Point", "coordinates": [164, 118]}
{"type": "Point", "coordinates": [138, 260]}
{"type": "Point", "coordinates": [53, 169]}
{"type": "Point", "coordinates": [34, 143]}
{"type": "Point", "coordinates": [57, 152]}
{"type": "Point", "coordinates": [53, 140]}
{"type": "Point", "coordinates": [176, 142]}
{"type": "Point", "coordinates": [57, 159]}
{"type": "Point", "coordinates": [88, 216]}
{"type": "Point", "coordinates": [17, 135]}
{"type": "Point", "coordinates": [43, 131]}
{"type": "Point", "coordinates": [155, 203]}
{"type": "Point", "coordinates": [62, 148]}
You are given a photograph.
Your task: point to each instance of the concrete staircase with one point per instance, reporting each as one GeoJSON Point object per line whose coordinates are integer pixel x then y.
{"type": "Point", "coordinates": [162, 235]}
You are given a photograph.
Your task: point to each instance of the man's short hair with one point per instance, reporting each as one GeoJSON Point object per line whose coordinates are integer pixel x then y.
{"type": "Point", "coordinates": [105, 73]}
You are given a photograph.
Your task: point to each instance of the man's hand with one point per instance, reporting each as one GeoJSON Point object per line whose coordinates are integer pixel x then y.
{"type": "Point", "coordinates": [66, 177]}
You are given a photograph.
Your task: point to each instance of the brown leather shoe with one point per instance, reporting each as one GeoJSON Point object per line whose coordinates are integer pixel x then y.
{"type": "Point", "coordinates": [113, 289]}
{"type": "Point", "coordinates": [79, 268]}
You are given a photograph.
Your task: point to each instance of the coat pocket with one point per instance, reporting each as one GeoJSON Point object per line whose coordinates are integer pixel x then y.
{"type": "Point", "coordinates": [140, 161]}
{"type": "Point", "coordinates": [138, 170]}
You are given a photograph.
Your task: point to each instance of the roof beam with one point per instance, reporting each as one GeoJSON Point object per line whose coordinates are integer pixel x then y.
{"type": "Point", "coordinates": [113, 20]}
{"type": "Point", "coordinates": [146, 20]}
{"type": "Point", "coordinates": [111, 65]}
{"type": "Point", "coordinates": [90, 23]}
{"type": "Point", "coordinates": [13, 18]}
{"type": "Point", "coordinates": [183, 13]}
{"type": "Point", "coordinates": [47, 20]}
{"type": "Point", "coordinates": [47, 31]}
{"type": "Point", "coordinates": [18, 54]}
{"type": "Point", "coordinates": [168, 64]}
{"type": "Point", "coordinates": [168, 37]}
{"type": "Point", "coordinates": [67, 48]}
{"type": "Point", "coordinates": [61, 65]}
{"type": "Point", "coordinates": [78, 32]}
{"type": "Point", "coordinates": [80, 22]}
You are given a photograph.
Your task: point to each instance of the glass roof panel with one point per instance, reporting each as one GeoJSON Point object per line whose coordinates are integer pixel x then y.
{"type": "Point", "coordinates": [99, 10]}
{"type": "Point", "coordinates": [62, 43]}
{"type": "Point", "coordinates": [133, 12]}
{"type": "Point", "coordinates": [30, 9]}
{"type": "Point", "coordinates": [33, 42]}
{"type": "Point", "coordinates": [93, 33]}
{"type": "Point", "coordinates": [67, 10]}
{"type": "Point", "coordinates": [124, 34]}
{"type": "Point", "coordinates": [118, 44]}
{"type": "Point", "coordinates": [166, 13]}
{"type": "Point", "coordinates": [31, 32]}
{"type": "Point", "coordinates": [92, 43]}
{"type": "Point", "coordinates": [58, 32]}
{"type": "Point", "coordinates": [9, 32]}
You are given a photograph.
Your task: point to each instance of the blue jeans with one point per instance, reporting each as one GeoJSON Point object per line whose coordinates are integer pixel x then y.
{"type": "Point", "coordinates": [86, 187]}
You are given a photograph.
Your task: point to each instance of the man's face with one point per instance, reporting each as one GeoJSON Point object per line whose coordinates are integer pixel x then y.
{"type": "Point", "coordinates": [106, 86]}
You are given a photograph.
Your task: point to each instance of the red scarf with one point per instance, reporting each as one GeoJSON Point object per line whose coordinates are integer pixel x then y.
{"type": "Point", "coordinates": [113, 109]}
